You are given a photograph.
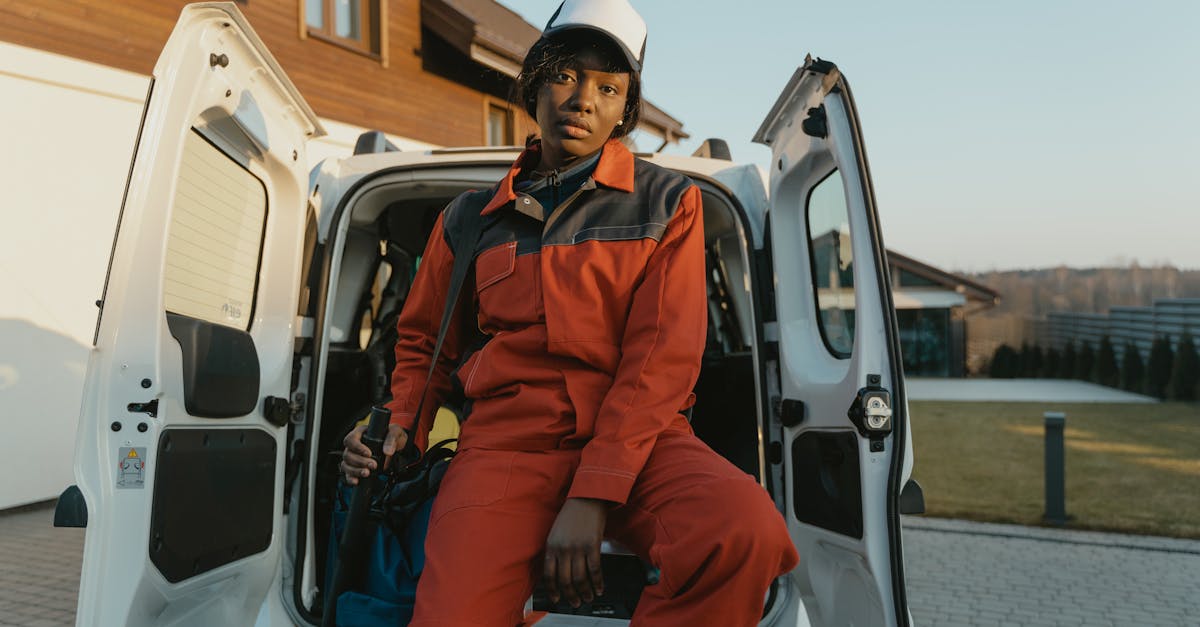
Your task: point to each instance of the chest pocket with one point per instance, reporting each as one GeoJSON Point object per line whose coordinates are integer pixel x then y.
{"type": "Point", "coordinates": [494, 264]}
{"type": "Point", "coordinates": [505, 286]}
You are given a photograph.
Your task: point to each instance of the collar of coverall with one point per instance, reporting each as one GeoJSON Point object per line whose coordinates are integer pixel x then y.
{"type": "Point", "coordinates": [615, 170]}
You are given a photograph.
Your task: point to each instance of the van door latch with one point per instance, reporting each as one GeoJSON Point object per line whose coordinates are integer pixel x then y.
{"type": "Point", "coordinates": [871, 412]}
{"type": "Point", "coordinates": [150, 408]}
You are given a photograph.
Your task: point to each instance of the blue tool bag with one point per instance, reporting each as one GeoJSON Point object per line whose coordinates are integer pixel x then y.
{"type": "Point", "coordinates": [399, 508]}
{"type": "Point", "coordinates": [399, 520]}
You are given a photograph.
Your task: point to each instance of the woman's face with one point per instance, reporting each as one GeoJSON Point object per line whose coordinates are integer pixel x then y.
{"type": "Point", "coordinates": [579, 107]}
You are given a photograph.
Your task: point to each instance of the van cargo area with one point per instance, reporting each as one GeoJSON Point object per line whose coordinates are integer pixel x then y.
{"type": "Point", "coordinates": [376, 238]}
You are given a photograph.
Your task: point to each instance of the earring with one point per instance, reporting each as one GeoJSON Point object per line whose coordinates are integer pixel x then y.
{"type": "Point", "coordinates": [620, 122]}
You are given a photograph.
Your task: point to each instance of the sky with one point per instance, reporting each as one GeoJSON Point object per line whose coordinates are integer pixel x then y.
{"type": "Point", "coordinates": [1001, 135]}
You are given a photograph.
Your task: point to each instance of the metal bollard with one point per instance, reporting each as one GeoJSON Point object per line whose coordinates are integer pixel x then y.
{"type": "Point", "coordinates": [1055, 471]}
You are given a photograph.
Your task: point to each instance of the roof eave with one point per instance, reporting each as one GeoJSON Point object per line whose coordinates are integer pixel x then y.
{"type": "Point", "coordinates": [663, 120]}
{"type": "Point", "coordinates": [505, 54]}
{"type": "Point", "coordinates": [973, 290]}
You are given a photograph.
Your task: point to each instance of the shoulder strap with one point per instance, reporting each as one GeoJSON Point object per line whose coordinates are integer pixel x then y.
{"type": "Point", "coordinates": [472, 226]}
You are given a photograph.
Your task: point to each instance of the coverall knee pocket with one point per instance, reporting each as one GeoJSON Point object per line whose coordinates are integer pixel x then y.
{"type": "Point", "coordinates": [476, 478]}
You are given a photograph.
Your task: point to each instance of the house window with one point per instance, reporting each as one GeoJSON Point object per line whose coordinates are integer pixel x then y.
{"type": "Point", "coordinates": [351, 23]}
{"type": "Point", "coordinates": [499, 122]}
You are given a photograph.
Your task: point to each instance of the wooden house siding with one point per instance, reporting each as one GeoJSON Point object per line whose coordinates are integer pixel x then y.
{"type": "Point", "coordinates": [402, 98]}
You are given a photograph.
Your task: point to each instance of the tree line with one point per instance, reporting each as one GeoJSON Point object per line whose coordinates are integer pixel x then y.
{"type": "Point", "coordinates": [1170, 372]}
{"type": "Point", "coordinates": [1036, 293]}
{"type": "Point", "coordinates": [1032, 294]}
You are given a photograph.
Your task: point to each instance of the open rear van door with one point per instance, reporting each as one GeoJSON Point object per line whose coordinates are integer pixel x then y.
{"type": "Point", "coordinates": [840, 400]}
{"type": "Point", "coordinates": [180, 452]}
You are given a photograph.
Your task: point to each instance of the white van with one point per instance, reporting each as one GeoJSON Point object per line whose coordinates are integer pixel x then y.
{"type": "Point", "coordinates": [244, 320]}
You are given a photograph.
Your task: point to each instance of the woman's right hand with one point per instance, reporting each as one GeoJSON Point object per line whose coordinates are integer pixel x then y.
{"type": "Point", "coordinates": [356, 457]}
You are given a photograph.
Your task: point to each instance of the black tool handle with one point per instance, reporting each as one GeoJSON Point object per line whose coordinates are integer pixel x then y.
{"type": "Point", "coordinates": [352, 548]}
{"type": "Point", "coordinates": [376, 433]}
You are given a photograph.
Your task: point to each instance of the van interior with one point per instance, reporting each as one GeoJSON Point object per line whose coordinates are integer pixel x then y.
{"type": "Point", "coordinates": [376, 241]}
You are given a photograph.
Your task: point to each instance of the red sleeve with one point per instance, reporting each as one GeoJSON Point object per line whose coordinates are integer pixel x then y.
{"type": "Point", "coordinates": [660, 360]}
{"type": "Point", "coordinates": [417, 333]}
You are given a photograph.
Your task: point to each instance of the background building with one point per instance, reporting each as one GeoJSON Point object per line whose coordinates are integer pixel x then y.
{"type": "Point", "coordinates": [429, 73]}
{"type": "Point", "coordinates": [932, 307]}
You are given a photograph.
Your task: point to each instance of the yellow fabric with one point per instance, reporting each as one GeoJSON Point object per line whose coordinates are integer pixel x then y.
{"type": "Point", "coordinates": [445, 427]}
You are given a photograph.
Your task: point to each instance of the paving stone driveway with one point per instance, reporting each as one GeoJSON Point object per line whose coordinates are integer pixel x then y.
{"type": "Point", "coordinates": [39, 568]}
{"type": "Point", "coordinates": [966, 573]}
{"type": "Point", "coordinates": [959, 574]}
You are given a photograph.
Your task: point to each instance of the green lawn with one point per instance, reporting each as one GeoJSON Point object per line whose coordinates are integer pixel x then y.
{"type": "Point", "coordinates": [1130, 468]}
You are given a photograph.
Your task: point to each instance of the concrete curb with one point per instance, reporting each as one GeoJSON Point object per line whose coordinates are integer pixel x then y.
{"type": "Point", "coordinates": [1018, 391]}
{"type": "Point", "coordinates": [29, 507]}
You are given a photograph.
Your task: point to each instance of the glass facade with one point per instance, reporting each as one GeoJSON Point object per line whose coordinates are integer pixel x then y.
{"type": "Point", "coordinates": [925, 341]}
{"type": "Point", "coordinates": [910, 279]}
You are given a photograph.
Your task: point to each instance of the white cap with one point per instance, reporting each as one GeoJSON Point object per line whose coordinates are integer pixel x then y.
{"type": "Point", "coordinates": [615, 18]}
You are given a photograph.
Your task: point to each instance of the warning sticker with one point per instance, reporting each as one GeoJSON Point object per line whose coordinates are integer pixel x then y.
{"type": "Point", "coordinates": [131, 468]}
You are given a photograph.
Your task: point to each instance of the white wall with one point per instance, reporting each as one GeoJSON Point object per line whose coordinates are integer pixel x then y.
{"type": "Point", "coordinates": [67, 131]}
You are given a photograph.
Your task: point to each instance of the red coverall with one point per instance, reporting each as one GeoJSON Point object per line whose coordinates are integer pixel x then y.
{"type": "Point", "coordinates": [596, 321]}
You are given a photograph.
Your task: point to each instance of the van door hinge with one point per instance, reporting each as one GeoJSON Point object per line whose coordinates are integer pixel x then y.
{"type": "Point", "coordinates": [297, 416]}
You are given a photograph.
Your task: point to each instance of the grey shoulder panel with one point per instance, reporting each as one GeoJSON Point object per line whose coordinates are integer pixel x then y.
{"type": "Point", "coordinates": [609, 215]}
{"type": "Point", "coordinates": [663, 187]}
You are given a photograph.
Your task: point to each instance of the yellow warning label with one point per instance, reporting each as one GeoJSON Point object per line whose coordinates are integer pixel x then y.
{"type": "Point", "coordinates": [131, 468]}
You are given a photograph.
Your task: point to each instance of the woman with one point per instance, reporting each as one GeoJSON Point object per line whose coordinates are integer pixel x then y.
{"type": "Point", "coordinates": [590, 290]}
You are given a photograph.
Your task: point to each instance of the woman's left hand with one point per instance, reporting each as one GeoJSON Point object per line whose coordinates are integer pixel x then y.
{"type": "Point", "coordinates": [572, 563]}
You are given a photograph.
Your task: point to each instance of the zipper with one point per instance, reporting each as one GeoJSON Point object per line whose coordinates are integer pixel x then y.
{"type": "Point", "coordinates": [560, 207]}
{"type": "Point", "coordinates": [555, 182]}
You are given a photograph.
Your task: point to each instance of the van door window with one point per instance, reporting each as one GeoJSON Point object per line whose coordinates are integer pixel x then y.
{"type": "Point", "coordinates": [832, 263]}
{"type": "Point", "coordinates": [215, 238]}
